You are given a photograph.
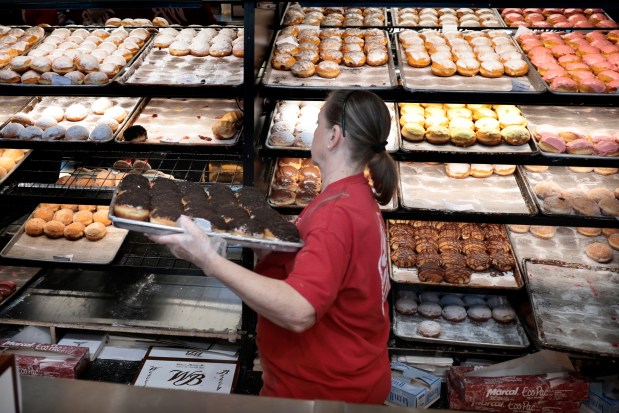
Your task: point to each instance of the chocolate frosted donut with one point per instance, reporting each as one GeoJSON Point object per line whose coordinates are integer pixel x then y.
{"type": "Point", "coordinates": [430, 310]}
{"type": "Point", "coordinates": [429, 328]}
{"type": "Point", "coordinates": [454, 313]}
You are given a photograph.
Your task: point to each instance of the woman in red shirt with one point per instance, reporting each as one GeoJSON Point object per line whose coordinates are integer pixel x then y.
{"type": "Point", "coordinates": [323, 317]}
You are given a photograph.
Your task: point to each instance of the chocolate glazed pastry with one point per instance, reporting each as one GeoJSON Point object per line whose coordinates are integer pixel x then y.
{"type": "Point", "coordinates": [135, 133]}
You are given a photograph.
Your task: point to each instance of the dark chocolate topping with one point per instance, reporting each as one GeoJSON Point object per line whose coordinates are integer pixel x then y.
{"type": "Point", "coordinates": [136, 133]}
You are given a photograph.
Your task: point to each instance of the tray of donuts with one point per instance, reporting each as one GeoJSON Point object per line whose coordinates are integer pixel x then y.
{"type": "Point", "coordinates": [465, 188]}
{"type": "Point", "coordinates": [581, 245]}
{"type": "Point", "coordinates": [483, 320]}
{"type": "Point", "coordinates": [185, 121]}
{"type": "Point", "coordinates": [307, 56]}
{"type": "Point", "coordinates": [335, 16]}
{"type": "Point", "coordinates": [75, 119]}
{"type": "Point", "coordinates": [452, 254]}
{"type": "Point", "coordinates": [557, 18]}
{"type": "Point", "coordinates": [459, 127]}
{"type": "Point", "coordinates": [573, 306]}
{"type": "Point", "coordinates": [296, 181]}
{"type": "Point", "coordinates": [67, 233]}
{"type": "Point", "coordinates": [584, 131]}
{"type": "Point", "coordinates": [569, 190]}
{"type": "Point", "coordinates": [471, 60]}
{"type": "Point", "coordinates": [576, 62]}
{"type": "Point", "coordinates": [293, 123]}
{"type": "Point", "coordinates": [190, 56]}
{"type": "Point", "coordinates": [437, 17]}
{"type": "Point", "coordinates": [10, 159]}
{"type": "Point", "coordinates": [15, 41]}
{"type": "Point", "coordinates": [78, 56]}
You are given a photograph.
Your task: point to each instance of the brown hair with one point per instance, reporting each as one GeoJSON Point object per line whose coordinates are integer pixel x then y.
{"type": "Point", "coordinates": [365, 122]}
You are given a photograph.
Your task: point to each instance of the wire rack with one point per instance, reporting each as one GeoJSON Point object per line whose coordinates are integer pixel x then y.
{"type": "Point", "coordinates": [82, 176]}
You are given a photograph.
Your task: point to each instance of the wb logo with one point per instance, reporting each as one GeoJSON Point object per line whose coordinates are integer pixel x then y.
{"type": "Point", "coordinates": [186, 378]}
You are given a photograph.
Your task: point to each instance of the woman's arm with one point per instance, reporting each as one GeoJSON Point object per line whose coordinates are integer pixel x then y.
{"type": "Point", "coordinates": [273, 299]}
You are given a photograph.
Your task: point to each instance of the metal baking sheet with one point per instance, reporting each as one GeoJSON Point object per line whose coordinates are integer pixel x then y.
{"type": "Point", "coordinates": [427, 187]}
{"type": "Point", "coordinates": [36, 107]}
{"type": "Point", "coordinates": [502, 148]}
{"type": "Point", "coordinates": [421, 78]}
{"type": "Point", "coordinates": [392, 140]}
{"type": "Point", "coordinates": [567, 179]}
{"type": "Point", "coordinates": [396, 17]}
{"type": "Point", "coordinates": [384, 9]}
{"type": "Point", "coordinates": [21, 276]}
{"type": "Point", "coordinates": [9, 105]}
{"type": "Point", "coordinates": [515, 26]}
{"type": "Point", "coordinates": [168, 304]}
{"type": "Point", "coordinates": [584, 118]}
{"type": "Point", "coordinates": [368, 77]}
{"type": "Point", "coordinates": [157, 66]}
{"type": "Point", "coordinates": [479, 279]}
{"type": "Point", "coordinates": [27, 153]}
{"type": "Point", "coordinates": [82, 251]}
{"type": "Point", "coordinates": [390, 207]}
{"type": "Point", "coordinates": [489, 333]}
{"type": "Point", "coordinates": [575, 307]}
{"type": "Point", "coordinates": [566, 246]}
{"type": "Point", "coordinates": [185, 121]}
{"type": "Point", "coordinates": [157, 229]}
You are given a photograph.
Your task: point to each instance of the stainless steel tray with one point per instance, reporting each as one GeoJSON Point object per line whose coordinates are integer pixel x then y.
{"type": "Point", "coordinates": [185, 121]}
{"type": "Point", "coordinates": [567, 246]}
{"type": "Point", "coordinates": [27, 153]}
{"type": "Point", "coordinates": [487, 334]}
{"type": "Point", "coordinates": [416, 78]}
{"type": "Point", "coordinates": [585, 118]}
{"type": "Point", "coordinates": [158, 67]}
{"type": "Point", "coordinates": [396, 20]}
{"type": "Point", "coordinates": [566, 179]}
{"type": "Point", "coordinates": [303, 24]}
{"type": "Point", "coordinates": [9, 105]}
{"type": "Point", "coordinates": [502, 148]}
{"type": "Point", "coordinates": [21, 276]}
{"type": "Point", "coordinates": [82, 251]}
{"type": "Point", "coordinates": [552, 28]}
{"type": "Point", "coordinates": [428, 188]}
{"type": "Point", "coordinates": [36, 106]}
{"type": "Point", "coordinates": [367, 77]}
{"type": "Point", "coordinates": [575, 306]}
{"type": "Point", "coordinates": [490, 279]}
{"type": "Point", "coordinates": [157, 229]}
{"type": "Point", "coordinates": [393, 140]}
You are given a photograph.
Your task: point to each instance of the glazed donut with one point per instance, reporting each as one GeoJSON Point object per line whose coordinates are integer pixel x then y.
{"type": "Point", "coordinates": [328, 69]}
{"type": "Point", "coordinates": [283, 62]}
{"type": "Point", "coordinates": [354, 59]}
{"type": "Point", "coordinates": [377, 57]}
{"type": "Point", "coordinates": [332, 55]}
{"type": "Point", "coordinates": [515, 67]}
{"type": "Point", "coordinates": [303, 69]}
{"type": "Point", "coordinates": [491, 68]}
{"type": "Point", "coordinates": [467, 67]}
{"type": "Point", "coordinates": [63, 65]}
{"type": "Point", "coordinates": [311, 55]}
{"type": "Point", "coordinates": [458, 170]}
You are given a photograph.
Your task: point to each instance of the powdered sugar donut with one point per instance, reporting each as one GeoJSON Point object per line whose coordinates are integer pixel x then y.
{"type": "Point", "coordinates": [101, 133]}
{"type": "Point", "coordinates": [55, 112]}
{"type": "Point", "coordinates": [406, 306]}
{"type": "Point", "coordinates": [429, 297]}
{"type": "Point", "coordinates": [430, 310]}
{"type": "Point", "coordinates": [451, 299]}
{"type": "Point", "coordinates": [76, 112]}
{"type": "Point", "coordinates": [479, 313]}
{"type": "Point", "coordinates": [77, 133]}
{"type": "Point", "coordinates": [100, 105]}
{"type": "Point", "coordinates": [471, 300]}
{"type": "Point", "coordinates": [496, 301]}
{"type": "Point", "coordinates": [429, 328]}
{"type": "Point", "coordinates": [117, 113]}
{"type": "Point", "coordinates": [503, 314]}
{"type": "Point", "coordinates": [454, 313]}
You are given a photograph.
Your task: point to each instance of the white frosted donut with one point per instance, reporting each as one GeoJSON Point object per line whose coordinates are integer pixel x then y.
{"type": "Point", "coordinates": [117, 113]}
{"type": "Point", "coordinates": [53, 111]}
{"type": "Point", "coordinates": [54, 133]}
{"type": "Point", "coordinates": [96, 78]}
{"type": "Point", "coordinates": [163, 41]}
{"type": "Point", "coordinates": [100, 105]}
{"type": "Point", "coordinates": [76, 112]}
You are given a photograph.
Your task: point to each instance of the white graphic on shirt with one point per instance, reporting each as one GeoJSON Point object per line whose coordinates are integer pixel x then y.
{"type": "Point", "coordinates": [383, 261]}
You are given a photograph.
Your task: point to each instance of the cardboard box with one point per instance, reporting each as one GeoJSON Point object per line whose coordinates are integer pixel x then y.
{"type": "Point", "coordinates": [411, 387]}
{"type": "Point", "coordinates": [544, 376]}
{"type": "Point", "coordinates": [456, 402]}
{"type": "Point", "coordinates": [604, 396]}
{"type": "Point", "coordinates": [10, 389]}
{"type": "Point", "coordinates": [52, 360]}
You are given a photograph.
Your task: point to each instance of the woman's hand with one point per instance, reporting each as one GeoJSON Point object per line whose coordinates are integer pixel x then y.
{"type": "Point", "coordinates": [192, 245]}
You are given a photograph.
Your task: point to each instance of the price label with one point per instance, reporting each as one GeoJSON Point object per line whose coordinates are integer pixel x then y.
{"type": "Point", "coordinates": [520, 86]}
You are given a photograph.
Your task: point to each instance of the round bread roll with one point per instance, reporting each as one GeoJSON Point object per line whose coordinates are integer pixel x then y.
{"type": "Point", "coordinates": [63, 215]}
{"type": "Point", "coordinates": [542, 231]}
{"type": "Point", "coordinates": [34, 227]}
{"type": "Point", "coordinates": [76, 112]}
{"type": "Point", "coordinates": [429, 328]}
{"type": "Point", "coordinates": [54, 229]}
{"type": "Point", "coordinates": [7, 162]}
{"type": "Point", "coordinates": [74, 231]}
{"type": "Point", "coordinates": [91, 208]}
{"type": "Point", "coordinates": [599, 252]}
{"type": "Point", "coordinates": [15, 154]}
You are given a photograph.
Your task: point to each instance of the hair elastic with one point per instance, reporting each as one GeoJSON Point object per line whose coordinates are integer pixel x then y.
{"type": "Point", "coordinates": [379, 147]}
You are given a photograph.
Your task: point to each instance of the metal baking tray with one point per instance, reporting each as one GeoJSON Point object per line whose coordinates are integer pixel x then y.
{"type": "Point", "coordinates": [27, 153]}
{"type": "Point", "coordinates": [310, 25]}
{"type": "Point", "coordinates": [421, 78]}
{"type": "Point", "coordinates": [585, 118]}
{"type": "Point", "coordinates": [552, 28]}
{"type": "Point", "coordinates": [574, 306]}
{"type": "Point", "coordinates": [37, 105]}
{"type": "Point", "coordinates": [21, 276]}
{"type": "Point", "coordinates": [185, 121]}
{"type": "Point", "coordinates": [490, 279]}
{"type": "Point", "coordinates": [393, 140]}
{"type": "Point", "coordinates": [9, 105]}
{"type": "Point", "coordinates": [157, 229]}
{"type": "Point", "coordinates": [567, 179]}
{"type": "Point", "coordinates": [390, 207]}
{"type": "Point", "coordinates": [396, 19]}
{"type": "Point", "coordinates": [567, 246]}
{"type": "Point", "coordinates": [488, 334]}
{"type": "Point", "coordinates": [82, 251]}
{"type": "Point", "coordinates": [157, 67]}
{"type": "Point", "coordinates": [428, 188]}
{"type": "Point", "coordinates": [502, 148]}
{"type": "Point", "coordinates": [368, 77]}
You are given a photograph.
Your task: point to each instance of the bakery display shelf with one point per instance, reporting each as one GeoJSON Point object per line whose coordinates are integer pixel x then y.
{"type": "Point", "coordinates": [572, 185]}
{"type": "Point", "coordinates": [128, 302]}
{"type": "Point", "coordinates": [574, 306]}
{"type": "Point", "coordinates": [424, 188]}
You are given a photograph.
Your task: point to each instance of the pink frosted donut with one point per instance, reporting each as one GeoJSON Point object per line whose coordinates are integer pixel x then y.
{"type": "Point", "coordinates": [554, 73]}
{"type": "Point", "coordinates": [563, 84]}
{"type": "Point", "coordinates": [569, 58]}
{"type": "Point", "coordinates": [606, 148]}
{"type": "Point", "coordinates": [561, 50]}
{"type": "Point", "coordinates": [593, 58]}
{"type": "Point", "coordinates": [612, 86]}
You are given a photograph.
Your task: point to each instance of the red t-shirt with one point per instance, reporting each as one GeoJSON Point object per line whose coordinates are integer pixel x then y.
{"type": "Point", "coordinates": [342, 271]}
